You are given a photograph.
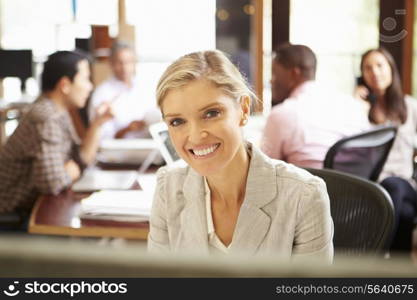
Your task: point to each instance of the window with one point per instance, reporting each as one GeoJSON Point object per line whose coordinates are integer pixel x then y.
{"type": "Point", "coordinates": [166, 30]}
{"type": "Point", "coordinates": [338, 32]}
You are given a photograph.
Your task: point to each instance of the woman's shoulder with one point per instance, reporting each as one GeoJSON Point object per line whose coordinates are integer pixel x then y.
{"type": "Point", "coordinates": [299, 176]}
{"type": "Point", "coordinates": [411, 104]}
{"type": "Point", "coordinates": [287, 173]}
{"type": "Point", "coordinates": [173, 176]}
{"type": "Point", "coordinates": [292, 185]}
{"type": "Point", "coordinates": [170, 171]}
{"type": "Point", "coordinates": [410, 101]}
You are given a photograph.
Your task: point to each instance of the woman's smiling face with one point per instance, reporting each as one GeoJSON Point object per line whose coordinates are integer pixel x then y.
{"type": "Point", "coordinates": [377, 72]}
{"type": "Point", "coordinates": [205, 125]}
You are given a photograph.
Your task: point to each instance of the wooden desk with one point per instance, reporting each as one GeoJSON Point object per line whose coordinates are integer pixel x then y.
{"type": "Point", "coordinates": [58, 215]}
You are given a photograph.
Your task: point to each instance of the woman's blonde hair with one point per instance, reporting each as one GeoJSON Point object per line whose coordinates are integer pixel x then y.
{"type": "Point", "coordinates": [211, 65]}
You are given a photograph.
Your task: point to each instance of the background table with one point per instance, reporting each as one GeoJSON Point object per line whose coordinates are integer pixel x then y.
{"type": "Point", "coordinates": [58, 215]}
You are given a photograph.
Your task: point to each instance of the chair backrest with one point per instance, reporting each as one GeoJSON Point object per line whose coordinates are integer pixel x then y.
{"type": "Point", "coordinates": [363, 154]}
{"type": "Point", "coordinates": [362, 212]}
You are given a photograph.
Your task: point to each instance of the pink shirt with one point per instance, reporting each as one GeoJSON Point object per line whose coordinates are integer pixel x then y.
{"type": "Point", "coordinates": [302, 128]}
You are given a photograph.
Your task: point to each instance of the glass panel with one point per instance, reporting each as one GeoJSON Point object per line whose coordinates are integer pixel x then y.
{"type": "Point", "coordinates": [166, 30]}
{"type": "Point", "coordinates": [233, 33]}
{"type": "Point", "coordinates": [338, 32]}
{"type": "Point", "coordinates": [97, 12]}
{"type": "Point", "coordinates": [31, 25]}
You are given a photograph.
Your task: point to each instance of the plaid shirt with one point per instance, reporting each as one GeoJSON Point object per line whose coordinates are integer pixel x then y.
{"type": "Point", "coordinates": [32, 161]}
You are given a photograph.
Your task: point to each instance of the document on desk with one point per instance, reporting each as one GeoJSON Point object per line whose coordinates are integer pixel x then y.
{"type": "Point", "coordinates": [147, 182]}
{"type": "Point", "coordinates": [125, 206]}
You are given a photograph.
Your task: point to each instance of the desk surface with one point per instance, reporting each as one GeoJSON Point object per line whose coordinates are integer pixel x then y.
{"type": "Point", "coordinates": [58, 215]}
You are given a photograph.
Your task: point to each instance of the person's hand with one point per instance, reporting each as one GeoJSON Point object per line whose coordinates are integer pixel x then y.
{"type": "Point", "coordinates": [133, 126]}
{"type": "Point", "coordinates": [72, 169]}
{"type": "Point", "coordinates": [104, 112]}
{"type": "Point", "coordinates": [136, 125]}
{"type": "Point", "coordinates": [361, 92]}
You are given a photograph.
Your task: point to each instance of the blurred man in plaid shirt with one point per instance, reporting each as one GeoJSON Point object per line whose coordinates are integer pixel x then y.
{"type": "Point", "coordinates": [45, 155]}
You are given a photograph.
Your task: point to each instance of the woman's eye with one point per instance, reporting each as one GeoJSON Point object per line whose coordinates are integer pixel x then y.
{"type": "Point", "coordinates": [211, 113]}
{"type": "Point", "coordinates": [176, 122]}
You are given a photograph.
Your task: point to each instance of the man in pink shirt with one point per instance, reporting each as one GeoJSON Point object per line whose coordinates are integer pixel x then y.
{"type": "Point", "coordinates": [307, 119]}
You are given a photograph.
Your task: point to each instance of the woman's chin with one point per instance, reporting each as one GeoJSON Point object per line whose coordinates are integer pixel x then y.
{"type": "Point", "coordinates": [205, 170]}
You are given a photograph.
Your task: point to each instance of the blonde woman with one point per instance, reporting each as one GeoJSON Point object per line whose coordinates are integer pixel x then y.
{"type": "Point", "coordinates": [231, 198]}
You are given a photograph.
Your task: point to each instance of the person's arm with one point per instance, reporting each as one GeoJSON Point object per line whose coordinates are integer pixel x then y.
{"type": "Point", "coordinates": [158, 239]}
{"type": "Point", "coordinates": [313, 237]}
{"type": "Point", "coordinates": [51, 170]}
{"type": "Point", "coordinates": [270, 143]}
{"type": "Point", "coordinates": [133, 126]}
{"type": "Point", "coordinates": [104, 93]}
{"type": "Point", "coordinates": [73, 169]}
{"type": "Point", "coordinates": [280, 134]}
{"type": "Point", "coordinates": [152, 115]}
{"type": "Point", "coordinates": [411, 105]}
{"type": "Point", "coordinates": [91, 140]}
{"type": "Point", "coordinates": [361, 92]}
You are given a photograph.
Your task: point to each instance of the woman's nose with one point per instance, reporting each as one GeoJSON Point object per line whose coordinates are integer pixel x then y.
{"type": "Point", "coordinates": [197, 133]}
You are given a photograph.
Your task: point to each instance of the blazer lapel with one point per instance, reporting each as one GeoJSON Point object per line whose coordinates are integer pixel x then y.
{"type": "Point", "coordinates": [193, 218]}
{"type": "Point", "coordinates": [253, 223]}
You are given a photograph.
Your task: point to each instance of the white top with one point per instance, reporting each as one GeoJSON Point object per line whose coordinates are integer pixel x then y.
{"type": "Point", "coordinates": [216, 246]}
{"type": "Point", "coordinates": [129, 104]}
{"type": "Point", "coordinates": [400, 159]}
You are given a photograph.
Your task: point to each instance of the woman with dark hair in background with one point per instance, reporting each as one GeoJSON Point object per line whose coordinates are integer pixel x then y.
{"type": "Point", "coordinates": [388, 105]}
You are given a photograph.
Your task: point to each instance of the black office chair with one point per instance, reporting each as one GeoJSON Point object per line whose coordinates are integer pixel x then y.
{"type": "Point", "coordinates": [14, 221]}
{"type": "Point", "coordinates": [362, 212]}
{"type": "Point", "coordinates": [363, 154]}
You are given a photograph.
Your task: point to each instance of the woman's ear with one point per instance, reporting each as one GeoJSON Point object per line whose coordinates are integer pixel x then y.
{"type": "Point", "coordinates": [245, 107]}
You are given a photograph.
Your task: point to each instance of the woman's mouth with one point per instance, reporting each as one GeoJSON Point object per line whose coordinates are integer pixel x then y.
{"type": "Point", "coordinates": [203, 152]}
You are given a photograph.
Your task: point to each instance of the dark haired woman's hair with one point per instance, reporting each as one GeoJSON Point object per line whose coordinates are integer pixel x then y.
{"type": "Point", "coordinates": [60, 64]}
{"type": "Point", "coordinates": [394, 96]}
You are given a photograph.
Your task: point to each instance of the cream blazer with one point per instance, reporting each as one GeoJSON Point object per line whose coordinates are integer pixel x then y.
{"type": "Point", "coordinates": [286, 211]}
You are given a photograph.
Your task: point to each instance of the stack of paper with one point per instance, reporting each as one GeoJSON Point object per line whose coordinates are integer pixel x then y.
{"type": "Point", "coordinates": [147, 182]}
{"type": "Point", "coordinates": [125, 206]}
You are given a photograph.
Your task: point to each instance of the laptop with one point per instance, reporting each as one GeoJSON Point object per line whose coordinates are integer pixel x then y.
{"type": "Point", "coordinates": [95, 180]}
{"type": "Point", "coordinates": [159, 133]}
{"type": "Point", "coordinates": [127, 151]}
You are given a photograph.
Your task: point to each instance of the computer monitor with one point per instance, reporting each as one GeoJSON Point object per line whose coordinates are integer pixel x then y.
{"type": "Point", "coordinates": [159, 132]}
{"type": "Point", "coordinates": [16, 63]}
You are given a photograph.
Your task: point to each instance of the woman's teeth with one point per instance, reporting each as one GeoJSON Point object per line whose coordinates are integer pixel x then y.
{"type": "Point", "coordinates": [203, 152]}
